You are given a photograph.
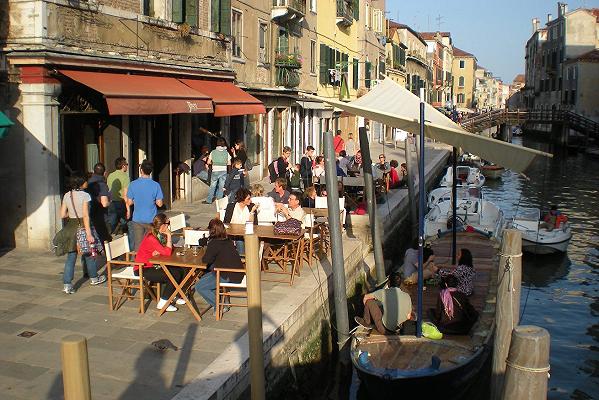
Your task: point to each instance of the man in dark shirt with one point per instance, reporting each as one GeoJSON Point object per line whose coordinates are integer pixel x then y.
{"type": "Point", "coordinates": [98, 190]}
{"type": "Point", "coordinates": [279, 193]}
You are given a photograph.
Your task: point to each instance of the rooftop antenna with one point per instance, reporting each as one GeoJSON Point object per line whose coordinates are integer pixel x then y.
{"type": "Point", "coordinates": [439, 20]}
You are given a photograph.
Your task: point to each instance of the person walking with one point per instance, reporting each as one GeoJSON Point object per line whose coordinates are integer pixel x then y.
{"type": "Point", "coordinates": [118, 182]}
{"type": "Point", "coordinates": [350, 145]}
{"type": "Point", "coordinates": [146, 196]}
{"type": "Point", "coordinates": [306, 165]}
{"type": "Point", "coordinates": [338, 142]}
{"type": "Point", "coordinates": [75, 209]}
{"type": "Point", "coordinates": [100, 195]}
{"type": "Point", "coordinates": [220, 160]}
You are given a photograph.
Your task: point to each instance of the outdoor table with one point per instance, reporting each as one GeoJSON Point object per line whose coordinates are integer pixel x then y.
{"type": "Point", "coordinates": [262, 231]}
{"type": "Point", "coordinates": [194, 265]}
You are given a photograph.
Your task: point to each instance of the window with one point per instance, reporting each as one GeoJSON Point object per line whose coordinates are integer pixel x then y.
{"type": "Point", "coordinates": [461, 98]}
{"type": "Point", "coordinates": [185, 11]}
{"type": "Point", "coordinates": [313, 6]}
{"type": "Point", "coordinates": [236, 32]}
{"type": "Point", "coordinates": [312, 56]}
{"type": "Point", "coordinates": [462, 63]}
{"type": "Point", "coordinates": [377, 20]}
{"type": "Point", "coordinates": [263, 43]}
{"type": "Point", "coordinates": [220, 16]}
{"type": "Point", "coordinates": [367, 74]}
{"type": "Point", "coordinates": [461, 81]}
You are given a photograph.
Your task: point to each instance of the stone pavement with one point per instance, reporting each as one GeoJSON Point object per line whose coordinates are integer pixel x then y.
{"type": "Point", "coordinates": [123, 363]}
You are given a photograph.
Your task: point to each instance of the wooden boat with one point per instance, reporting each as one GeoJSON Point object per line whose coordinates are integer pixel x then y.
{"type": "Point", "coordinates": [492, 171]}
{"type": "Point", "coordinates": [401, 365]}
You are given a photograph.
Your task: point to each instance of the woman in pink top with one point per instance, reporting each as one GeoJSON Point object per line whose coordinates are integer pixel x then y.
{"type": "Point", "coordinates": [159, 242]}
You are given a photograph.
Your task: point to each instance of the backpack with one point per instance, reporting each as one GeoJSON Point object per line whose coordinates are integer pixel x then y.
{"type": "Point", "coordinates": [273, 170]}
{"type": "Point", "coordinates": [219, 157]}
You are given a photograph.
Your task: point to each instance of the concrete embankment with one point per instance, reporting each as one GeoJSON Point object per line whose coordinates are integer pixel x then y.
{"type": "Point", "coordinates": [296, 328]}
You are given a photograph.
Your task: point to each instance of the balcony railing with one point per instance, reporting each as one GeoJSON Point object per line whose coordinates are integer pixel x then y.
{"type": "Point", "coordinates": [345, 13]}
{"type": "Point", "coordinates": [288, 60]}
{"type": "Point", "coordinates": [286, 10]}
{"type": "Point", "coordinates": [288, 77]}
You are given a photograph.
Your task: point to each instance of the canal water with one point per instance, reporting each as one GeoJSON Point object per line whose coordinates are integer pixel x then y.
{"type": "Point", "coordinates": [561, 292]}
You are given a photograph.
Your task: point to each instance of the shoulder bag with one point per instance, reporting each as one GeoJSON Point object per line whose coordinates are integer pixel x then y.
{"type": "Point", "coordinates": [83, 246]}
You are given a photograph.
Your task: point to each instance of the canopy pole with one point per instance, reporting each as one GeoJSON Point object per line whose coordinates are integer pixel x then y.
{"type": "Point", "coordinates": [339, 288]}
{"type": "Point", "coordinates": [411, 190]}
{"type": "Point", "coordinates": [375, 232]}
{"type": "Point", "coordinates": [421, 190]}
{"type": "Point", "coordinates": [454, 200]}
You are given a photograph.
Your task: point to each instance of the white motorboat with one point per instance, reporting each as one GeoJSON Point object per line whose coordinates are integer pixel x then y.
{"type": "Point", "coordinates": [536, 239]}
{"type": "Point", "coordinates": [492, 171]}
{"type": "Point", "coordinates": [443, 193]}
{"type": "Point", "coordinates": [467, 176]}
{"type": "Point", "coordinates": [472, 214]}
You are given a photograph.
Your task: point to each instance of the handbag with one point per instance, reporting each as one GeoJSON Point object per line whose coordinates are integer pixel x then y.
{"type": "Point", "coordinates": [288, 227]}
{"type": "Point", "coordinates": [83, 246]}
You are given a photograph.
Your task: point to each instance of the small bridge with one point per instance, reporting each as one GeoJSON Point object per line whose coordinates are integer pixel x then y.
{"type": "Point", "coordinates": [560, 121]}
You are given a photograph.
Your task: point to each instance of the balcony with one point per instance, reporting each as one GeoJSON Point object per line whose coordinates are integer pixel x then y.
{"type": "Point", "coordinates": [288, 10]}
{"type": "Point", "coordinates": [287, 69]}
{"type": "Point", "coordinates": [345, 13]}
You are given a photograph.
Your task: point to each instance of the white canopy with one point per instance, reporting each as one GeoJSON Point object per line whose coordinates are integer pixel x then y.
{"type": "Point", "coordinates": [391, 104]}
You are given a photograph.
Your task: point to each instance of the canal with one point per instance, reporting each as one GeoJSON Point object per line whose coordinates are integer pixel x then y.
{"type": "Point", "coordinates": [561, 292]}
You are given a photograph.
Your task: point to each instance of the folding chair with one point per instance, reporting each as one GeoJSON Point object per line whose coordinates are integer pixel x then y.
{"type": "Point", "coordinates": [192, 236]}
{"type": "Point", "coordinates": [177, 223]}
{"type": "Point", "coordinates": [312, 239]}
{"type": "Point", "coordinates": [286, 256]}
{"type": "Point", "coordinates": [125, 279]}
{"type": "Point", "coordinates": [228, 289]}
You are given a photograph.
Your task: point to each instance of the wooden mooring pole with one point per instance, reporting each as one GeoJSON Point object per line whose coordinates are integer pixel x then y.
{"type": "Point", "coordinates": [252, 267]}
{"type": "Point", "coordinates": [507, 313]}
{"type": "Point", "coordinates": [411, 166]}
{"type": "Point", "coordinates": [75, 368]}
{"type": "Point", "coordinates": [527, 364]}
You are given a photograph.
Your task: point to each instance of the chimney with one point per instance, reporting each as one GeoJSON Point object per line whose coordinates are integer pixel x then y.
{"type": "Point", "coordinates": [535, 25]}
{"type": "Point", "coordinates": [549, 16]}
{"type": "Point", "coordinates": [562, 9]}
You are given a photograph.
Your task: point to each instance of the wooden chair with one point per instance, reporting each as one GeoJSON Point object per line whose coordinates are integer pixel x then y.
{"type": "Point", "coordinates": [287, 256]}
{"type": "Point", "coordinates": [312, 239]}
{"type": "Point", "coordinates": [131, 285]}
{"type": "Point", "coordinates": [228, 289]}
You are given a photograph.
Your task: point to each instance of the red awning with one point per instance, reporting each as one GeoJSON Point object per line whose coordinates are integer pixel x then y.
{"type": "Point", "coordinates": [228, 99]}
{"type": "Point", "coordinates": [143, 95]}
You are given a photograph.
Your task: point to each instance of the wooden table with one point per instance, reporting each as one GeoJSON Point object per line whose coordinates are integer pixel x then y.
{"type": "Point", "coordinates": [195, 267]}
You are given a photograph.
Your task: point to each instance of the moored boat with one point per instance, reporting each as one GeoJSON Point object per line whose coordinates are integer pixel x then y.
{"type": "Point", "coordinates": [467, 176]}
{"type": "Point", "coordinates": [492, 171]}
{"type": "Point", "coordinates": [402, 365]}
{"type": "Point", "coordinates": [535, 238]}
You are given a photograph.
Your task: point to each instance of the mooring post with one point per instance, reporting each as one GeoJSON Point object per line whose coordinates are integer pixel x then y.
{"type": "Point", "coordinates": [411, 189]}
{"type": "Point", "coordinates": [507, 306]}
{"type": "Point", "coordinates": [375, 231]}
{"type": "Point", "coordinates": [75, 368]}
{"type": "Point", "coordinates": [527, 364]}
{"type": "Point", "coordinates": [341, 316]}
{"type": "Point", "coordinates": [252, 271]}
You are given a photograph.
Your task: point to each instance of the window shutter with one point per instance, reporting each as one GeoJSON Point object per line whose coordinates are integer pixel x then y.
{"type": "Point", "coordinates": [177, 14]}
{"type": "Point", "coordinates": [355, 77]}
{"type": "Point", "coordinates": [225, 17]}
{"type": "Point", "coordinates": [367, 76]}
{"type": "Point", "coordinates": [215, 15]}
{"type": "Point", "coordinates": [191, 12]}
{"type": "Point", "coordinates": [324, 72]}
{"type": "Point", "coordinates": [345, 62]}
{"type": "Point", "coordinates": [356, 9]}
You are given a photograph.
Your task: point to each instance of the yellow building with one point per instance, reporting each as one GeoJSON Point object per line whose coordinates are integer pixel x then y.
{"type": "Point", "coordinates": [396, 56]}
{"type": "Point", "coordinates": [464, 68]}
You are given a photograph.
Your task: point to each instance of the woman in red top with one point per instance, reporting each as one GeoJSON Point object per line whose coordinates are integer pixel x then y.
{"type": "Point", "coordinates": [158, 242]}
{"type": "Point", "coordinates": [394, 180]}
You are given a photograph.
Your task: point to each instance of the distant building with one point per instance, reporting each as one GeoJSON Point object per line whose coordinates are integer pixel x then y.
{"type": "Point", "coordinates": [515, 100]}
{"type": "Point", "coordinates": [551, 53]}
{"type": "Point", "coordinates": [418, 71]}
{"type": "Point", "coordinates": [440, 57]}
{"type": "Point", "coordinates": [581, 80]}
{"type": "Point", "coordinates": [464, 67]}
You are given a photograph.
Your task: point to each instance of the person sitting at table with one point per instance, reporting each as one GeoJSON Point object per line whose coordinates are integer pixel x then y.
{"type": "Point", "coordinates": [295, 209]}
{"type": "Point", "coordinates": [309, 197]}
{"type": "Point", "coordinates": [355, 166]}
{"type": "Point", "coordinates": [394, 179]}
{"type": "Point", "coordinates": [257, 190]}
{"type": "Point", "coordinates": [280, 193]}
{"type": "Point", "coordinates": [220, 252]}
{"type": "Point", "coordinates": [240, 212]}
{"type": "Point", "coordinates": [159, 242]}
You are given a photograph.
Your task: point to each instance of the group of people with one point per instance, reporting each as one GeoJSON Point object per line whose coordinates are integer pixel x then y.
{"type": "Point", "coordinates": [388, 308]}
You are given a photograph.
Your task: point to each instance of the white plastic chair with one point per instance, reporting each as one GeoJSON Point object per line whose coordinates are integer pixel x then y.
{"type": "Point", "coordinates": [192, 236]}
{"type": "Point", "coordinates": [221, 204]}
{"type": "Point", "coordinates": [177, 222]}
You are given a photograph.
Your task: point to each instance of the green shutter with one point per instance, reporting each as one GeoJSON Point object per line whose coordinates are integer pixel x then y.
{"type": "Point", "coordinates": [356, 9]}
{"type": "Point", "coordinates": [324, 73]}
{"type": "Point", "coordinates": [191, 12]}
{"type": "Point", "coordinates": [367, 76]}
{"type": "Point", "coordinates": [177, 11]}
{"type": "Point", "coordinates": [345, 62]}
{"type": "Point", "coordinates": [355, 80]}
{"type": "Point", "coordinates": [225, 17]}
{"type": "Point", "coordinates": [215, 15]}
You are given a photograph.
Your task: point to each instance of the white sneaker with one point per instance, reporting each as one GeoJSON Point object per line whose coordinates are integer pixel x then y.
{"type": "Point", "coordinates": [162, 303]}
{"type": "Point", "coordinates": [180, 301]}
{"type": "Point", "coordinates": [68, 289]}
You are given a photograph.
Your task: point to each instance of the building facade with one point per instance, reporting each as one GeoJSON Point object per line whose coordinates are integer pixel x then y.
{"type": "Point", "coordinates": [418, 71]}
{"type": "Point", "coordinates": [464, 68]}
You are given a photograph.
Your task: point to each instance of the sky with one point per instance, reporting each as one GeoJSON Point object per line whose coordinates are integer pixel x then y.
{"type": "Point", "coordinates": [495, 31]}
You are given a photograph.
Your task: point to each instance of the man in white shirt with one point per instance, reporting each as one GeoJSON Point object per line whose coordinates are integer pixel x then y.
{"type": "Point", "coordinates": [295, 209]}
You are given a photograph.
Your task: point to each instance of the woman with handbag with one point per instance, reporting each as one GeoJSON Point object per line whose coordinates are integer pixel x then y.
{"type": "Point", "coordinates": [75, 208]}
